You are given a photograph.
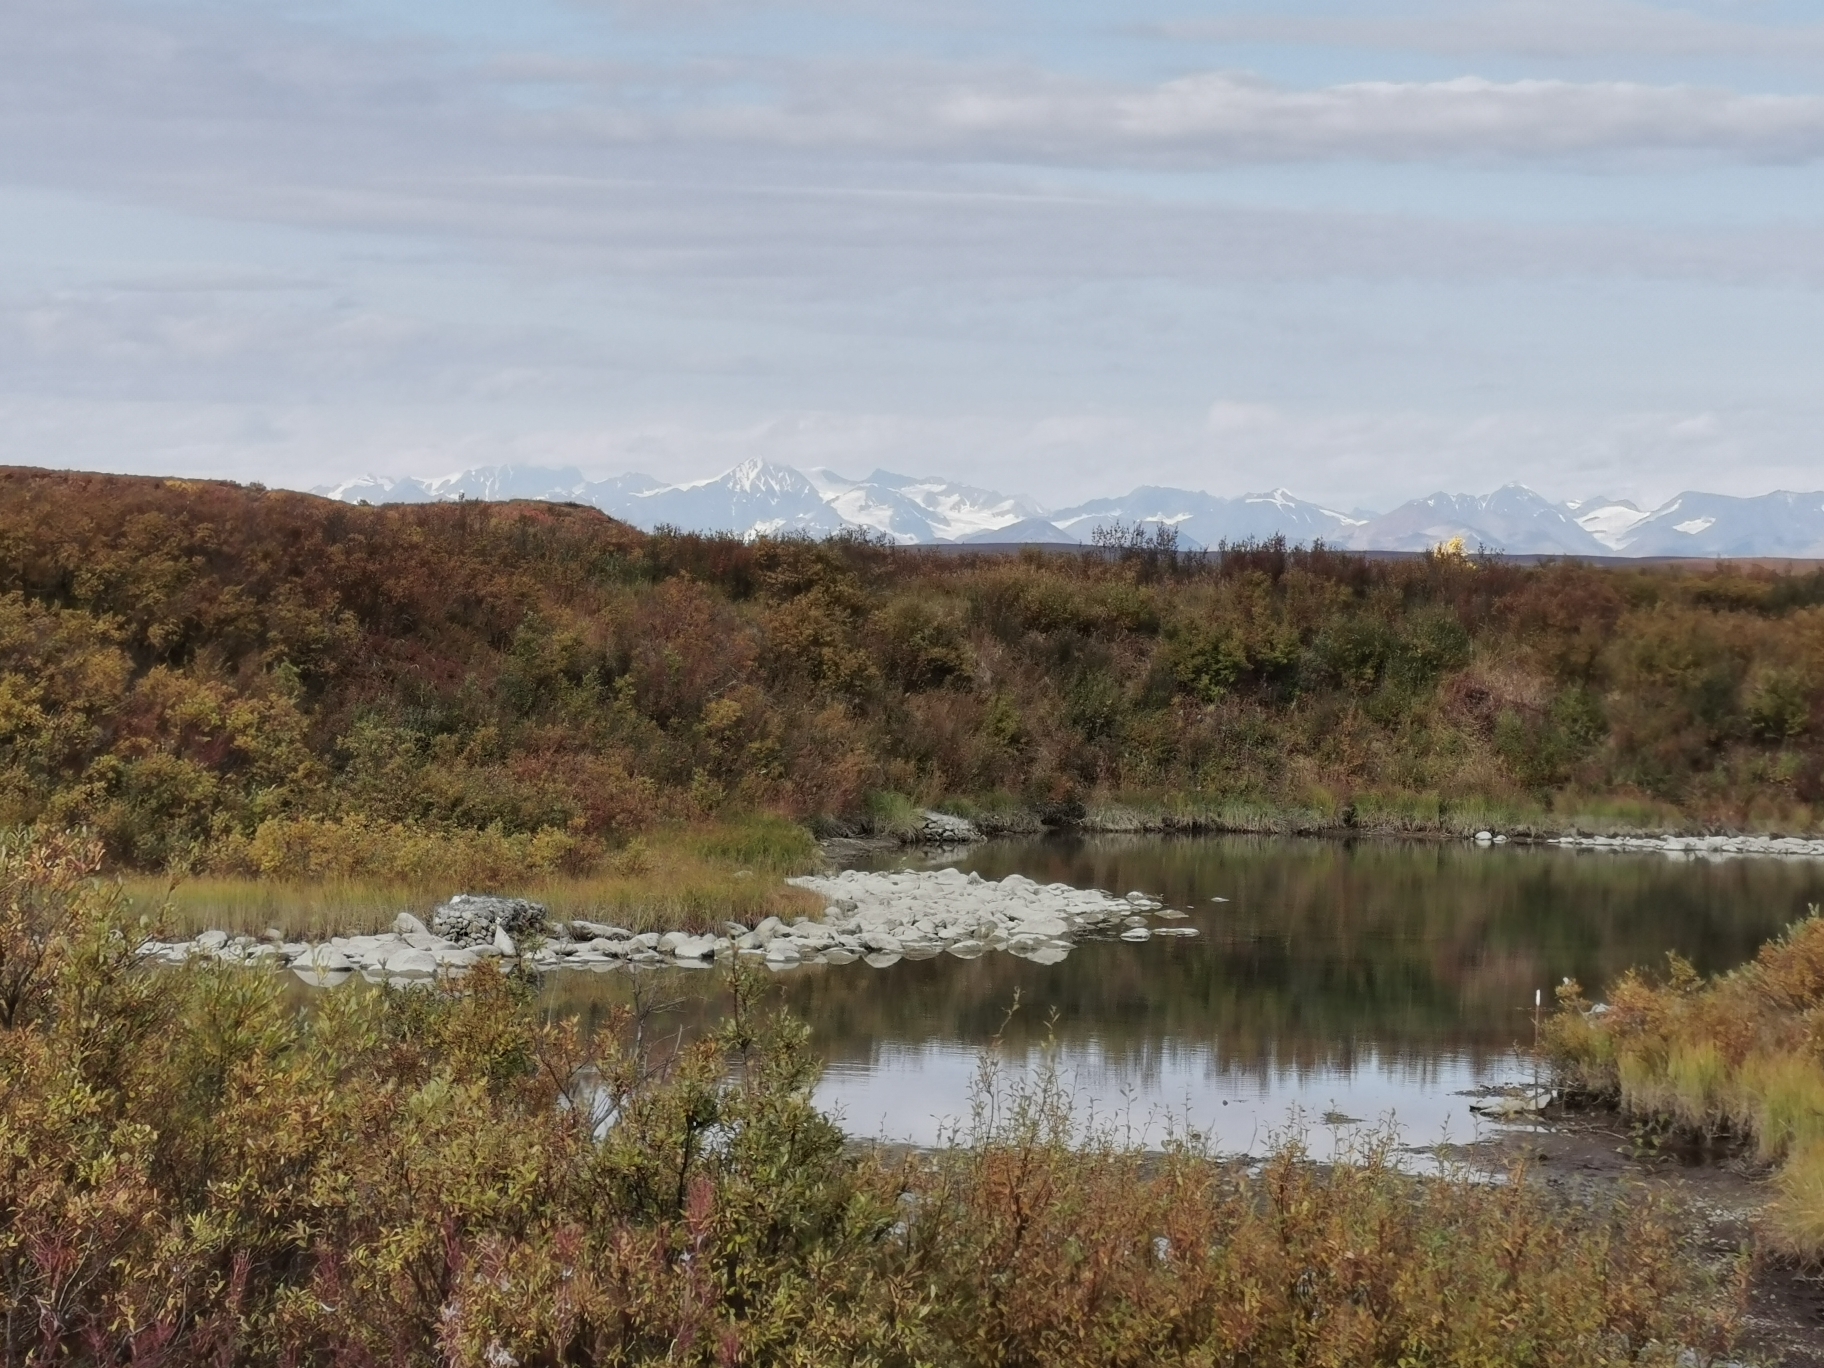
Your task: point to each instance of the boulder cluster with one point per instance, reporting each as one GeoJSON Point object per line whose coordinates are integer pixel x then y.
{"type": "Point", "coordinates": [471, 919]}
{"type": "Point", "coordinates": [944, 828]}
{"type": "Point", "coordinates": [877, 917]}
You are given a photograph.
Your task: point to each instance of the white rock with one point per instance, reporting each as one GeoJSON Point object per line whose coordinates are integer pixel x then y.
{"type": "Point", "coordinates": [410, 961]}
{"type": "Point", "coordinates": [323, 978]}
{"type": "Point", "coordinates": [1137, 933]}
{"type": "Point", "coordinates": [408, 925]}
{"type": "Point", "coordinates": [212, 941]}
{"type": "Point", "coordinates": [503, 944]}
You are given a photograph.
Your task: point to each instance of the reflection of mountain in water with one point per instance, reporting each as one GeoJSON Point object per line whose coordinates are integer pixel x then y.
{"type": "Point", "coordinates": [1327, 955]}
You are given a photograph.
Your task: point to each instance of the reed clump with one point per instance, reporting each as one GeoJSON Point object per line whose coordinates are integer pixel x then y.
{"type": "Point", "coordinates": [1736, 1058]}
{"type": "Point", "coordinates": [195, 1171]}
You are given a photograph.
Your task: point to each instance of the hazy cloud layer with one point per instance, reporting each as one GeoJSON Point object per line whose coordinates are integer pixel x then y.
{"type": "Point", "coordinates": [1541, 29]}
{"type": "Point", "coordinates": [622, 235]}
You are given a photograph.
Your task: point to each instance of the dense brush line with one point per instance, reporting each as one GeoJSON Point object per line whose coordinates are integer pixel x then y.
{"type": "Point", "coordinates": [264, 682]}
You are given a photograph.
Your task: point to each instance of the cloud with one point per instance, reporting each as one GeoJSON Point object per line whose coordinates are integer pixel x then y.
{"type": "Point", "coordinates": [1542, 29]}
{"type": "Point", "coordinates": [1215, 119]}
{"type": "Point", "coordinates": [238, 115]}
{"type": "Point", "coordinates": [419, 255]}
{"type": "Point", "coordinates": [854, 180]}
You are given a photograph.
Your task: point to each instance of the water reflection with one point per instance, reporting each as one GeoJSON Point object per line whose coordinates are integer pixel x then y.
{"type": "Point", "coordinates": [1362, 979]}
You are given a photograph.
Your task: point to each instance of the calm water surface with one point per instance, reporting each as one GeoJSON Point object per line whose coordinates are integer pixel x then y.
{"type": "Point", "coordinates": [1365, 980]}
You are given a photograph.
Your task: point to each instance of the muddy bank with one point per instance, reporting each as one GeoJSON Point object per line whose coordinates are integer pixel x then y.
{"type": "Point", "coordinates": [1593, 1156]}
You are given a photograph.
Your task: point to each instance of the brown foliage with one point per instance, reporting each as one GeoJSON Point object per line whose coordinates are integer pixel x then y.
{"type": "Point", "coordinates": [181, 662]}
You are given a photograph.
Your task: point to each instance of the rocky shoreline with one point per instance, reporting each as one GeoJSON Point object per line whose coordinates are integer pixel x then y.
{"type": "Point", "coordinates": [879, 918]}
{"type": "Point", "coordinates": [876, 917]}
{"type": "Point", "coordinates": [945, 829]}
{"type": "Point", "coordinates": [1692, 847]}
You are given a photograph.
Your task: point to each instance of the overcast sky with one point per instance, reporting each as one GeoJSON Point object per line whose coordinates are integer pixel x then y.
{"type": "Point", "coordinates": [1361, 250]}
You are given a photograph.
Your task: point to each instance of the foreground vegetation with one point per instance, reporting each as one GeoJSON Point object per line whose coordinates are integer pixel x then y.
{"type": "Point", "coordinates": [193, 1171]}
{"type": "Point", "coordinates": [250, 683]}
{"type": "Point", "coordinates": [1737, 1059]}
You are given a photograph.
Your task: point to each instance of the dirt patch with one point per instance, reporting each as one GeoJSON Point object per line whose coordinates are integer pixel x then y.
{"type": "Point", "coordinates": [1585, 1156]}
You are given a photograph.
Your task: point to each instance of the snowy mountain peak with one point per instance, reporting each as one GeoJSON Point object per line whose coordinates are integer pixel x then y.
{"type": "Point", "coordinates": [1608, 520]}
{"type": "Point", "coordinates": [760, 497]}
{"type": "Point", "coordinates": [757, 476]}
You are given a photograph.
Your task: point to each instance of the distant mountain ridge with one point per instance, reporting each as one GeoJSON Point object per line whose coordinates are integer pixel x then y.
{"type": "Point", "coordinates": [759, 498]}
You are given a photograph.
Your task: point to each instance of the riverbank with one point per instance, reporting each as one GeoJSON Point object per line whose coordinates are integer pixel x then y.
{"type": "Point", "coordinates": [1645, 828]}
{"type": "Point", "coordinates": [1592, 1158]}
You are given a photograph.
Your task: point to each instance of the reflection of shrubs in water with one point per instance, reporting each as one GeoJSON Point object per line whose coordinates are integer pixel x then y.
{"type": "Point", "coordinates": [194, 1168]}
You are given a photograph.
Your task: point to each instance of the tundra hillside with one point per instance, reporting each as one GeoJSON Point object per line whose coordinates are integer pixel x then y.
{"type": "Point", "coordinates": [259, 682]}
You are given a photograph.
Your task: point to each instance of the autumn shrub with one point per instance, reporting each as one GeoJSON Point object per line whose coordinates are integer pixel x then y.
{"type": "Point", "coordinates": [1739, 1058]}
{"type": "Point", "coordinates": [305, 849]}
{"type": "Point", "coordinates": [193, 1170]}
{"type": "Point", "coordinates": [183, 663]}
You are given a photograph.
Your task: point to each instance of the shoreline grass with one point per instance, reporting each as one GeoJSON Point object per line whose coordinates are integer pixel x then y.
{"type": "Point", "coordinates": [688, 879]}
{"type": "Point", "coordinates": [1733, 1060]}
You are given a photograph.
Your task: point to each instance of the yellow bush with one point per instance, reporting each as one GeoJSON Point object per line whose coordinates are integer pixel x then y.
{"type": "Point", "coordinates": [319, 848]}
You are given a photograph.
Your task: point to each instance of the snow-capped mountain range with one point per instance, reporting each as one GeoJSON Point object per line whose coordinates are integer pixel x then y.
{"type": "Point", "coordinates": [759, 498]}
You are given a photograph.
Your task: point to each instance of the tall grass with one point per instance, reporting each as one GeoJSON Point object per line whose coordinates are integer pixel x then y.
{"type": "Point", "coordinates": [691, 879]}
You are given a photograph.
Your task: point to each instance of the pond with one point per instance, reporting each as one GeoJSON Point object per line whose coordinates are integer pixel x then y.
{"type": "Point", "coordinates": [1350, 982]}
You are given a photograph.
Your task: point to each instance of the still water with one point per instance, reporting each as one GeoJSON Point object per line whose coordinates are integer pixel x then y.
{"type": "Point", "coordinates": [1350, 982]}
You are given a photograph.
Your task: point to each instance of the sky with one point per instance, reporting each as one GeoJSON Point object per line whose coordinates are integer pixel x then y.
{"type": "Point", "coordinates": [1363, 251]}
